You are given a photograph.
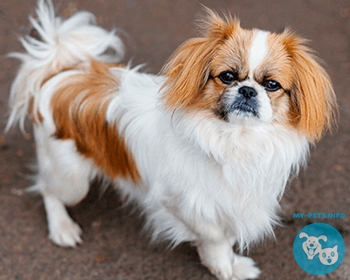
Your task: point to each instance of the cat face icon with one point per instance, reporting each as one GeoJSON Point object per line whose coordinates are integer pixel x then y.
{"type": "Point", "coordinates": [329, 256]}
{"type": "Point", "coordinates": [311, 245]}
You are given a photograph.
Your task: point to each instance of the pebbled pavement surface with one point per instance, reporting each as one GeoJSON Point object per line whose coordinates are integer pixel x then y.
{"type": "Point", "coordinates": [115, 247]}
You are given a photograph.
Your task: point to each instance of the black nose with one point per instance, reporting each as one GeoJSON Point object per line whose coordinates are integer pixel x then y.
{"type": "Point", "coordinates": [247, 92]}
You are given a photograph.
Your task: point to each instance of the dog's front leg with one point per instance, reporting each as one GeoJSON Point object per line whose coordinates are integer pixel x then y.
{"type": "Point", "coordinates": [221, 261]}
{"type": "Point", "coordinates": [216, 253]}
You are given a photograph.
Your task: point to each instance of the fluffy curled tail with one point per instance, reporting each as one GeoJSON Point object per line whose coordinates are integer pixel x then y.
{"type": "Point", "coordinates": [56, 44]}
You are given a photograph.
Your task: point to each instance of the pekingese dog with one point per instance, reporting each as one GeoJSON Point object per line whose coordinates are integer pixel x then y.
{"type": "Point", "coordinates": [205, 148]}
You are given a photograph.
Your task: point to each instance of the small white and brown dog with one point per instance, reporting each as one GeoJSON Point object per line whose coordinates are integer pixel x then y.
{"type": "Point", "coordinates": [205, 148]}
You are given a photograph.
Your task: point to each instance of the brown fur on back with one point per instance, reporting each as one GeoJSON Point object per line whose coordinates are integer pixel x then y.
{"type": "Point", "coordinates": [79, 111]}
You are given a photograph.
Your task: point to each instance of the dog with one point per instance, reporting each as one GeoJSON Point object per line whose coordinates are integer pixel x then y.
{"type": "Point", "coordinates": [205, 148]}
{"type": "Point", "coordinates": [311, 245]}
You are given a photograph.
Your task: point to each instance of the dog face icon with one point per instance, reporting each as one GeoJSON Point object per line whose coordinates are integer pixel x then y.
{"type": "Point", "coordinates": [311, 245]}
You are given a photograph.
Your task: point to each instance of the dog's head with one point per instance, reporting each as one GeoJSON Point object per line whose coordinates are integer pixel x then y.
{"type": "Point", "coordinates": [311, 245]}
{"type": "Point", "coordinates": [250, 77]}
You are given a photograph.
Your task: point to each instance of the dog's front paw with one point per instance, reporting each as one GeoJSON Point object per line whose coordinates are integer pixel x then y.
{"type": "Point", "coordinates": [65, 233]}
{"type": "Point", "coordinates": [224, 264]}
{"type": "Point", "coordinates": [244, 268]}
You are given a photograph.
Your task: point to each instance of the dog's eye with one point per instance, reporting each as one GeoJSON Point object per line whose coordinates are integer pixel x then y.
{"type": "Point", "coordinates": [227, 77]}
{"type": "Point", "coordinates": [271, 85]}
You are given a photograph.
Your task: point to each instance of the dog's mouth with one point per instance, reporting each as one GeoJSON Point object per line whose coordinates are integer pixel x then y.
{"type": "Point", "coordinates": [240, 106]}
{"type": "Point", "coordinates": [311, 251]}
{"type": "Point", "coordinates": [245, 108]}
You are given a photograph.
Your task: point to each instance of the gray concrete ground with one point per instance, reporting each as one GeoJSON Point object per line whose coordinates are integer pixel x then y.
{"type": "Point", "coordinates": [114, 245]}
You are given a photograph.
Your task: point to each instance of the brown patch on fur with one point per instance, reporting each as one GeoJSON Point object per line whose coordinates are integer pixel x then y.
{"type": "Point", "coordinates": [34, 112]}
{"type": "Point", "coordinates": [79, 111]}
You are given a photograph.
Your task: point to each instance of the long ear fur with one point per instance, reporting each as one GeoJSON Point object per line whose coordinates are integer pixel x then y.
{"type": "Point", "coordinates": [187, 72]}
{"type": "Point", "coordinates": [323, 237]}
{"type": "Point", "coordinates": [314, 102]}
{"type": "Point", "coordinates": [303, 234]}
{"type": "Point", "coordinates": [188, 68]}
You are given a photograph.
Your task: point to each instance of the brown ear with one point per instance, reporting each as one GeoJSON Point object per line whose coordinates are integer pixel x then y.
{"type": "Point", "coordinates": [187, 70]}
{"type": "Point", "coordinates": [314, 108]}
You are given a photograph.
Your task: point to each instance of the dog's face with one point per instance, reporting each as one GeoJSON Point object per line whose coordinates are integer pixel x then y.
{"type": "Point", "coordinates": [250, 77]}
{"type": "Point", "coordinates": [312, 245]}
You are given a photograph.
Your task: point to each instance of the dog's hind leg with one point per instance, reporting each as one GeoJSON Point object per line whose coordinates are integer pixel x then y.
{"type": "Point", "coordinates": [63, 231]}
{"type": "Point", "coordinates": [63, 179]}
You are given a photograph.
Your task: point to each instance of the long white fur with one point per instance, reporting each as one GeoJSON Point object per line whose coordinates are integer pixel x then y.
{"type": "Point", "coordinates": [203, 180]}
{"type": "Point", "coordinates": [64, 43]}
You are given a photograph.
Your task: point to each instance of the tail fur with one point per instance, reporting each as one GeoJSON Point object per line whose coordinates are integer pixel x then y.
{"type": "Point", "coordinates": [58, 45]}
